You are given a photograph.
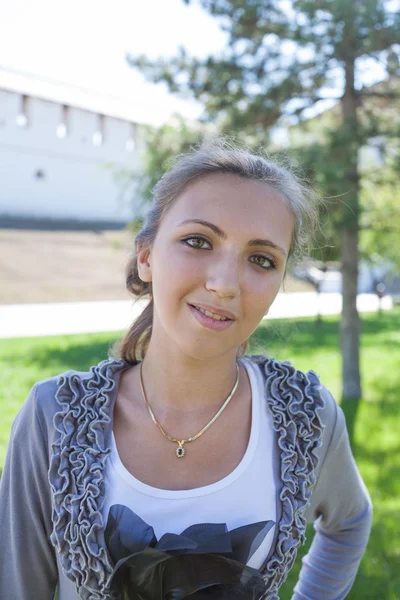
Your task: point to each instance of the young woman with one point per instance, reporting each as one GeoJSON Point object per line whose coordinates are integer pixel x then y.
{"type": "Point", "coordinates": [184, 468]}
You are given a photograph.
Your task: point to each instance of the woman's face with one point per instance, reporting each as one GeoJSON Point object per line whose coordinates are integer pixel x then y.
{"type": "Point", "coordinates": [221, 264]}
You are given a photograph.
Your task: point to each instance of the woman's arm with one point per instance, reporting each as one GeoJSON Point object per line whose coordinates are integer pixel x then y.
{"type": "Point", "coordinates": [27, 566]}
{"type": "Point", "coordinates": [341, 509]}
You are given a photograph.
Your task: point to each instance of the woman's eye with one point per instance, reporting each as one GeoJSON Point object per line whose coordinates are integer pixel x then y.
{"type": "Point", "coordinates": [198, 242]}
{"type": "Point", "coordinates": [264, 262]}
{"type": "Point", "coordinates": [195, 242]}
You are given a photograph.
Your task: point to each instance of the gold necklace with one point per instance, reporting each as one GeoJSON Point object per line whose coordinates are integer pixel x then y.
{"type": "Point", "coordinates": [180, 450]}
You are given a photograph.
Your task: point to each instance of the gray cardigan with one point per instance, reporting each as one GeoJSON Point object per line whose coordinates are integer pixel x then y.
{"type": "Point", "coordinates": [53, 487]}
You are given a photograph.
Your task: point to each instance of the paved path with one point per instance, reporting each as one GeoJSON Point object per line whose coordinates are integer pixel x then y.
{"type": "Point", "coordinates": [33, 320]}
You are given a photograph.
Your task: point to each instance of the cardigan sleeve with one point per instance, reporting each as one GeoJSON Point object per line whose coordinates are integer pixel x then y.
{"type": "Point", "coordinates": [341, 510]}
{"type": "Point", "coordinates": [28, 566]}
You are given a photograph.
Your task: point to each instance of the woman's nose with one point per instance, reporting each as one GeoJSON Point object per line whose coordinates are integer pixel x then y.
{"type": "Point", "coordinates": [224, 277]}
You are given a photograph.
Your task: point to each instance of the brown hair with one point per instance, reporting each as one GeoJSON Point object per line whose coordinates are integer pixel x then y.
{"type": "Point", "coordinates": [220, 157]}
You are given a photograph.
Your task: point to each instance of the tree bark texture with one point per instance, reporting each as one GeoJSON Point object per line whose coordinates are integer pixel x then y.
{"type": "Point", "coordinates": [350, 320]}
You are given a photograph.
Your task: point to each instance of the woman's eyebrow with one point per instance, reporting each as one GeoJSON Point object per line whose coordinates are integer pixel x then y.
{"type": "Point", "coordinates": [218, 231]}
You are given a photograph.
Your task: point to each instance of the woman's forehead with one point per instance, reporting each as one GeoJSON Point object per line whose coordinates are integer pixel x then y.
{"type": "Point", "coordinates": [221, 185]}
{"type": "Point", "coordinates": [230, 199]}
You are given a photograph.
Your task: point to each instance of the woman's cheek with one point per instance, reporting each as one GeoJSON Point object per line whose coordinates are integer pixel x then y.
{"type": "Point", "coordinates": [190, 264]}
{"type": "Point", "coordinates": [262, 291]}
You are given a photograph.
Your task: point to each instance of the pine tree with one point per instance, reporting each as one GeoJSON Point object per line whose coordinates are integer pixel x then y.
{"type": "Point", "coordinates": [281, 59]}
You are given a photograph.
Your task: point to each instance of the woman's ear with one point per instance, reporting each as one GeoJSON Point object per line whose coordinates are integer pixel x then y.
{"type": "Point", "coordinates": [143, 264]}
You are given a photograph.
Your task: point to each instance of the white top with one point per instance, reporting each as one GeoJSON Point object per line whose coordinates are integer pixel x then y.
{"type": "Point", "coordinates": [247, 495]}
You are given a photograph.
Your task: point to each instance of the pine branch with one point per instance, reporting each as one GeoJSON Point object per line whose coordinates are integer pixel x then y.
{"type": "Point", "coordinates": [375, 94]}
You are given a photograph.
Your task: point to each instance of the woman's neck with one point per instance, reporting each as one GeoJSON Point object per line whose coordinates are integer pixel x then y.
{"type": "Point", "coordinates": [178, 382]}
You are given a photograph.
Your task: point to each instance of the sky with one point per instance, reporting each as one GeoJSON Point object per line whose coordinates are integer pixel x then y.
{"type": "Point", "coordinates": [84, 43]}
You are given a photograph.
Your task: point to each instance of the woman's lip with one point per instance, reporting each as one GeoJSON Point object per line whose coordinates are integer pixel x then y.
{"type": "Point", "coordinates": [217, 311]}
{"type": "Point", "coordinates": [209, 322]}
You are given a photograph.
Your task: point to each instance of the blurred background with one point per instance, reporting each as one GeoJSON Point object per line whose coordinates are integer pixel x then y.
{"type": "Point", "coordinates": [96, 98]}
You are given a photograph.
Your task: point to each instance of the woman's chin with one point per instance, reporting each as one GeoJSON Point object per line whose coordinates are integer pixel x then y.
{"type": "Point", "coordinates": [206, 350]}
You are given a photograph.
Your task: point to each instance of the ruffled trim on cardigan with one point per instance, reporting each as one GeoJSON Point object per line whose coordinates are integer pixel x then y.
{"type": "Point", "coordinates": [76, 475]}
{"type": "Point", "coordinates": [294, 399]}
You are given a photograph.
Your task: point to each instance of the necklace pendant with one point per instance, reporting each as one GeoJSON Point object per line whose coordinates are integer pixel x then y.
{"type": "Point", "coordinates": [180, 451]}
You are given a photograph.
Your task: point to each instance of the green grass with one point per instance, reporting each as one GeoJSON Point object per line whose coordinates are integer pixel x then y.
{"type": "Point", "coordinates": [374, 423]}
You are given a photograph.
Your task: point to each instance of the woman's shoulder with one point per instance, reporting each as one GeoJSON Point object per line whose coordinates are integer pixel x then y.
{"type": "Point", "coordinates": [285, 371]}
{"type": "Point", "coordinates": [298, 392]}
{"type": "Point", "coordinates": [58, 394]}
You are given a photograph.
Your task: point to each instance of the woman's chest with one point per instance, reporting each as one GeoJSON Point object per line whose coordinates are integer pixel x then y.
{"type": "Point", "coordinates": [245, 497]}
{"type": "Point", "coordinates": [151, 458]}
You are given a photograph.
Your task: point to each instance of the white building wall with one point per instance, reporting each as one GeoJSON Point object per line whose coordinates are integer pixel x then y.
{"type": "Point", "coordinates": [78, 178]}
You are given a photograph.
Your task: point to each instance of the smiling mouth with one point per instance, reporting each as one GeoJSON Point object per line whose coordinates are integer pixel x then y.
{"type": "Point", "coordinates": [210, 314]}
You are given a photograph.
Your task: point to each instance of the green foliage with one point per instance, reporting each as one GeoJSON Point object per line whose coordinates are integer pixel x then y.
{"type": "Point", "coordinates": [324, 168]}
{"type": "Point", "coordinates": [378, 213]}
{"type": "Point", "coordinates": [281, 59]}
{"type": "Point", "coordinates": [380, 222]}
{"type": "Point", "coordinates": [375, 437]}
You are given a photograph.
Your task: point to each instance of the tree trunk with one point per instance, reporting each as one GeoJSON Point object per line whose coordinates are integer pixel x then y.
{"type": "Point", "coordinates": [350, 321]}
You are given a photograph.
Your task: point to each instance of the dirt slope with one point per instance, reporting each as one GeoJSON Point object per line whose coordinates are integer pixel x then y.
{"type": "Point", "coordinates": [62, 266]}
